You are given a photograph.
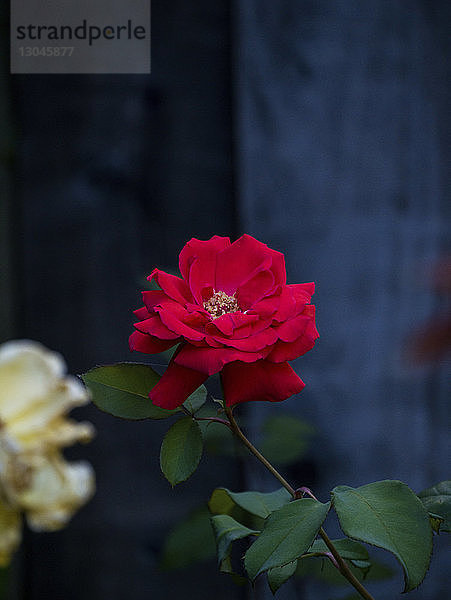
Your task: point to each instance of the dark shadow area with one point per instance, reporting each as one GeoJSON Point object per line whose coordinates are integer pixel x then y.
{"type": "Point", "coordinates": [321, 128]}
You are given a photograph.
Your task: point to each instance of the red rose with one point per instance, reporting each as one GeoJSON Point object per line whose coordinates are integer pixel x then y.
{"type": "Point", "coordinates": [232, 312]}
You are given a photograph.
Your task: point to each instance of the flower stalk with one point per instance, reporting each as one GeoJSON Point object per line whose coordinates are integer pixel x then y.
{"type": "Point", "coordinates": [210, 419]}
{"type": "Point", "coordinates": [240, 435]}
{"type": "Point", "coordinates": [338, 560]}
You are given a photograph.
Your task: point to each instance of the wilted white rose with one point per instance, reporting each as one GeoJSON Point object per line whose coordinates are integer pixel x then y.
{"type": "Point", "coordinates": [35, 479]}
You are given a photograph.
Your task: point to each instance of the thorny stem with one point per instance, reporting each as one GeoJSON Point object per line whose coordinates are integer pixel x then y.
{"type": "Point", "coordinates": [237, 431]}
{"type": "Point", "coordinates": [340, 563]}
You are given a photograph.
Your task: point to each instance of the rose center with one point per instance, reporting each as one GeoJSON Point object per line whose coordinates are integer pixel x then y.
{"type": "Point", "coordinates": [220, 304]}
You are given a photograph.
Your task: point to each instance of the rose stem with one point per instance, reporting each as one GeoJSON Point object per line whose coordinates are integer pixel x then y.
{"type": "Point", "coordinates": [342, 566]}
{"type": "Point", "coordinates": [210, 419]}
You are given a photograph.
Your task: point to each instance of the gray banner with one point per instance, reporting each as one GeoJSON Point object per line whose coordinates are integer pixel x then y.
{"type": "Point", "coordinates": [80, 36]}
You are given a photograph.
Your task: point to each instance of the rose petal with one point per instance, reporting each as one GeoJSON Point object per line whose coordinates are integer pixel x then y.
{"type": "Point", "coordinates": [250, 325]}
{"type": "Point", "coordinates": [30, 373]}
{"type": "Point", "coordinates": [197, 319]}
{"type": "Point", "coordinates": [176, 384]}
{"type": "Point", "coordinates": [232, 322]}
{"type": "Point", "coordinates": [283, 351]}
{"type": "Point", "coordinates": [154, 297]}
{"type": "Point", "coordinates": [278, 267]}
{"type": "Point", "coordinates": [253, 343]}
{"type": "Point", "coordinates": [34, 428]}
{"type": "Point", "coordinates": [255, 289]}
{"type": "Point", "coordinates": [142, 342]}
{"type": "Point", "coordinates": [197, 262]}
{"type": "Point", "coordinates": [57, 489]}
{"type": "Point", "coordinates": [210, 342]}
{"type": "Point", "coordinates": [201, 276]}
{"type": "Point", "coordinates": [290, 330]}
{"type": "Point", "coordinates": [204, 250]}
{"type": "Point", "coordinates": [211, 360]}
{"type": "Point", "coordinates": [142, 313]}
{"type": "Point", "coordinates": [287, 305]}
{"type": "Point", "coordinates": [302, 293]}
{"type": "Point", "coordinates": [266, 307]}
{"type": "Point", "coordinates": [173, 286]}
{"type": "Point", "coordinates": [173, 315]}
{"type": "Point", "coordinates": [303, 288]}
{"type": "Point", "coordinates": [261, 380]}
{"type": "Point", "coordinates": [222, 325]}
{"type": "Point", "coordinates": [35, 479]}
{"type": "Point", "coordinates": [154, 326]}
{"type": "Point", "coordinates": [198, 308]}
{"type": "Point", "coordinates": [258, 326]}
{"type": "Point", "coordinates": [241, 262]}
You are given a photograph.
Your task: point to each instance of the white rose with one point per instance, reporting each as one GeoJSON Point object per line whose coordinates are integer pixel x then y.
{"type": "Point", "coordinates": [35, 479]}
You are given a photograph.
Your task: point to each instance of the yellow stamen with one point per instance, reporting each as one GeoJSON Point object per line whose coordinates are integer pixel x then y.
{"type": "Point", "coordinates": [220, 304]}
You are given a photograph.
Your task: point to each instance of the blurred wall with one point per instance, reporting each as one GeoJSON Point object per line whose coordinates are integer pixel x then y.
{"type": "Point", "coordinates": [113, 174]}
{"type": "Point", "coordinates": [318, 127]}
{"type": "Point", "coordinates": [343, 160]}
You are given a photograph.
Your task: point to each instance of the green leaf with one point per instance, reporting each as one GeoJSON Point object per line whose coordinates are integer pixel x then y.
{"type": "Point", "coordinates": [197, 399]}
{"type": "Point", "coordinates": [288, 533]}
{"type": "Point", "coordinates": [122, 390]}
{"type": "Point", "coordinates": [227, 530]}
{"type": "Point", "coordinates": [437, 500]}
{"type": "Point", "coordinates": [189, 542]}
{"type": "Point", "coordinates": [348, 549]}
{"type": "Point", "coordinates": [389, 515]}
{"type": "Point", "coordinates": [279, 575]}
{"type": "Point", "coordinates": [285, 439]}
{"type": "Point", "coordinates": [181, 450]}
{"type": "Point", "coordinates": [223, 502]}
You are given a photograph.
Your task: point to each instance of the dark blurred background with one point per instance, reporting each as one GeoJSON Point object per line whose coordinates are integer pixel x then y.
{"type": "Point", "coordinates": [320, 127]}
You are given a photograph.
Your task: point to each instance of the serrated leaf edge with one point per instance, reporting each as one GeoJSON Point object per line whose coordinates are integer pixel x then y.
{"type": "Point", "coordinates": [297, 557]}
{"type": "Point", "coordinates": [404, 570]}
{"type": "Point", "coordinates": [200, 454]}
